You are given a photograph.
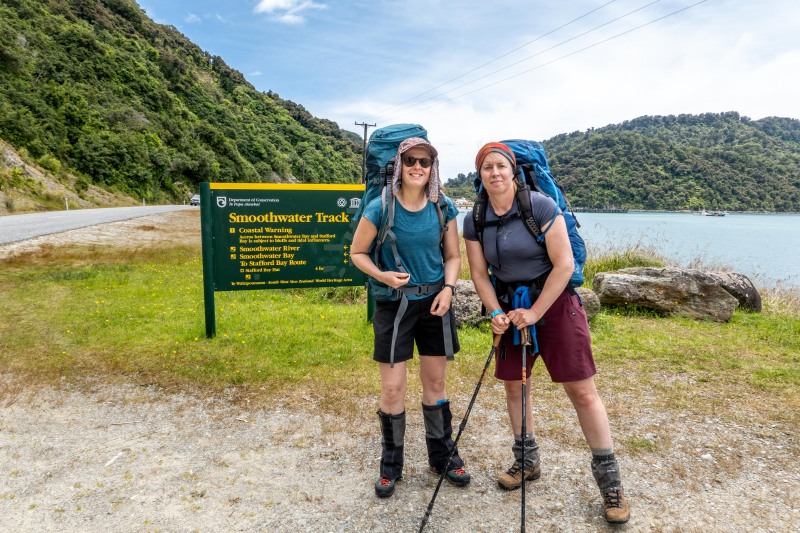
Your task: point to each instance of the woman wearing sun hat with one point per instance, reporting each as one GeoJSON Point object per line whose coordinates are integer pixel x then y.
{"type": "Point", "coordinates": [419, 312]}
{"type": "Point", "coordinates": [518, 263]}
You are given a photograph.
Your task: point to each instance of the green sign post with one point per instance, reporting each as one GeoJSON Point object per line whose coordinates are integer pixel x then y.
{"type": "Point", "coordinates": [276, 236]}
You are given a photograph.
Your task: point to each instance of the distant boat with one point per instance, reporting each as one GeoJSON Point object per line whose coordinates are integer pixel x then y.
{"type": "Point", "coordinates": [712, 213]}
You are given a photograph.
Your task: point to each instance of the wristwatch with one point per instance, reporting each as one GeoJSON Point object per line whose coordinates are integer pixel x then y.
{"type": "Point", "coordinates": [452, 288]}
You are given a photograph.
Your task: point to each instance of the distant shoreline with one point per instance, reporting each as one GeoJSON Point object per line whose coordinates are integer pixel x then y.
{"type": "Point", "coordinates": [688, 212]}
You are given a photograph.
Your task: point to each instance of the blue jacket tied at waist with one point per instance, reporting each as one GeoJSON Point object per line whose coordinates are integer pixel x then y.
{"type": "Point", "coordinates": [522, 300]}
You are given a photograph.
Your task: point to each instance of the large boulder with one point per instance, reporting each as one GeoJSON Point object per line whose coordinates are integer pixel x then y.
{"type": "Point", "coordinates": [672, 291]}
{"type": "Point", "coordinates": [591, 303]}
{"type": "Point", "coordinates": [740, 287]}
{"type": "Point", "coordinates": [467, 305]}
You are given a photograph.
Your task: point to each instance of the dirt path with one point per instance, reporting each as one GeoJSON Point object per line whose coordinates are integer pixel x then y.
{"type": "Point", "coordinates": [101, 458]}
{"type": "Point", "coordinates": [129, 458]}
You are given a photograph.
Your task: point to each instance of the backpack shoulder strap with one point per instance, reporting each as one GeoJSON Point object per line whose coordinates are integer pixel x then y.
{"type": "Point", "coordinates": [523, 196]}
{"type": "Point", "coordinates": [388, 225]}
{"type": "Point", "coordinates": [387, 220]}
{"type": "Point", "coordinates": [479, 214]}
{"type": "Point", "coordinates": [441, 209]}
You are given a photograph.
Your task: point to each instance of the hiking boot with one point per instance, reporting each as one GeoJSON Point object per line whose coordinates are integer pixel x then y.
{"type": "Point", "coordinates": [615, 507]}
{"type": "Point", "coordinates": [455, 476]}
{"type": "Point", "coordinates": [384, 487]}
{"type": "Point", "coordinates": [512, 478]}
{"type": "Point", "coordinates": [606, 473]}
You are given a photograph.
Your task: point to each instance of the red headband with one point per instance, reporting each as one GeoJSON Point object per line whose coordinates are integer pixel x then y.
{"type": "Point", "coordinates": [499, 148]}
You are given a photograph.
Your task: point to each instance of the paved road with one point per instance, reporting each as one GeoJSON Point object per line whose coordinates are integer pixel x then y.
{"type": "Point", "coordinates": [15, 228]}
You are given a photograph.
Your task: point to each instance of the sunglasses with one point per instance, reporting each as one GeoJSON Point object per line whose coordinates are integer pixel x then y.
{"type": "Point", "coordinates": [410, 161]}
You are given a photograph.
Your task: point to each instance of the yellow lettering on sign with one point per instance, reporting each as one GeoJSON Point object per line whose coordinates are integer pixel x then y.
{"type": "Point", "coordinates": [268, 218]}
{"type": "Point", "coordinates": [341, 217]}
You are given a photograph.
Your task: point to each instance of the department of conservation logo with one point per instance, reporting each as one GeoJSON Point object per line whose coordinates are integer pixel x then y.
{"type": "Point", "coordinates": [222, 201]}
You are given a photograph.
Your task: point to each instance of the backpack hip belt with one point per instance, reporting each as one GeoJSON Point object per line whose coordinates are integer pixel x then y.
{"type": "Point", "coordinates": [505, 290]}
{"type": "Point", "coordinates": [447, 328]}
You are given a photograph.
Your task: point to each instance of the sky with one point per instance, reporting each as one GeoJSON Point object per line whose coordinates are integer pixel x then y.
{"type": "Point", "coordinates": [472, 72]}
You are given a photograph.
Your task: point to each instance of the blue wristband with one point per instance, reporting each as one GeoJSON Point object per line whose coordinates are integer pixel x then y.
{"type": "Point", "coordinates": [495, 313]}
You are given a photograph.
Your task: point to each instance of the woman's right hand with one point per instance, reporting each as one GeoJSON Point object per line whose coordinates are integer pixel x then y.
{"type": "Point", "coordinates": [395, 280]}
{"type": "Point", "coordinates": [500, 324]}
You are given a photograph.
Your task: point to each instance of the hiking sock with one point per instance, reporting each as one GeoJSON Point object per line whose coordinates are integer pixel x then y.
{"type": "Point", "coordinates": [606, 470]}
{"type": "Point", "coordinates": [531, 451]}
{"type": "Point", "coordinates": [393, 430]}
{"type": "Point", "coordinates": [602, 451]}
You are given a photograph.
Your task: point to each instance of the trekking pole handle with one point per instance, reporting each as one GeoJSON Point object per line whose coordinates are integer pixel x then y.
{"type": "Point", "coordinates": [496, 340]}
{"type": "Point", "coordinates": [525, 336]}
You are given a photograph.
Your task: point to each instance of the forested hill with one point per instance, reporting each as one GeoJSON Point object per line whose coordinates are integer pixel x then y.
{"type": "Point", "coordinates": [96, 93]}
{"type": "Point", "coordinates": [97, 89]}
{"type": "Point", "coordinates": [713, 161]}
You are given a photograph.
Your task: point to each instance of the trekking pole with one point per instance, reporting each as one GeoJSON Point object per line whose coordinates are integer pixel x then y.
{"type": "Point", "coordinates": [525, 336]}
{"type": "Point", "coordinates": [461, 426]}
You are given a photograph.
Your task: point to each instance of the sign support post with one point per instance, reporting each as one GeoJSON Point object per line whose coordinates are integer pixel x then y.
{"type": "Point", "coordinates": [207, 240]}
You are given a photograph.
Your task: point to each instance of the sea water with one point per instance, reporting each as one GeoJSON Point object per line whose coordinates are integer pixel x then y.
{"type": "Point", "coordinates": [763, 247]}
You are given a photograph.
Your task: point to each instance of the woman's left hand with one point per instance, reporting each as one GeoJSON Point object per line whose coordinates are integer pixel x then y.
{"type": "Point", "coordinates": [523, 317]}
{"type": "Point", "coordinates": [441, 302]}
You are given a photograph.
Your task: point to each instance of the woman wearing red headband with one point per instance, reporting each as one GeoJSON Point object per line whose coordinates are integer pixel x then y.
{"type": "Point", "coordinates": [561, 331]}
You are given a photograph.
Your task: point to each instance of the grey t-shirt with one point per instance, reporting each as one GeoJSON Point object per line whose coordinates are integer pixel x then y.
{"type": "Point", "coordinates": [510, 249]}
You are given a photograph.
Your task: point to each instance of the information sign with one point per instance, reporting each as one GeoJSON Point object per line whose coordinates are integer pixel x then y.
{"type": "Point", "coordinates": [273, 236]}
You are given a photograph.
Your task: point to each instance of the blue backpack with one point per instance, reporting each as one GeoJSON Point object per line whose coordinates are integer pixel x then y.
{"type": "Point", "coordinates": [380, 161]}
{"type": "Point", "coordinates": [533, 173]}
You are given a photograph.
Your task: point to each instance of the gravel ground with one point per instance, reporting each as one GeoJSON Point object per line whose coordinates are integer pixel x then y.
{"type": "Point", "coordinates": [94, 457]}
{"type": "Point", "coordinates": [128, 458]}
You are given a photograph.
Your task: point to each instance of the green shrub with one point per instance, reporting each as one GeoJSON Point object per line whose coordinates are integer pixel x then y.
{"type": "Point", "coordinates": [50, 162]}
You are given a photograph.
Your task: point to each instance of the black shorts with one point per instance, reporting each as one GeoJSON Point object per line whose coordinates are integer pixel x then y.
{"type": "Point", "coordinates": [417, 325]}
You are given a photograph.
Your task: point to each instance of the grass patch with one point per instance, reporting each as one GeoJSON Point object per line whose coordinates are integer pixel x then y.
{"type": "Point", "coordinates": [74, 312]}
{"type": "Point", "coordinates": [638, 446]}
{"type": "Point", "coordinates": [609, 261]}
{"type": "Point", "coordinates": [145, 317]}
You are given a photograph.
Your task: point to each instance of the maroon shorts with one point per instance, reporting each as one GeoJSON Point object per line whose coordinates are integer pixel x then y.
{"type": "Point", "coordinates": [565, 345]}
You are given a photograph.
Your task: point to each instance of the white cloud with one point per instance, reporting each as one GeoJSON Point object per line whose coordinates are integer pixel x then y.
{"type": "Point", "coordinates": [268, 6]}
{"type": "Point", "coordinates": [701, 61]}
{"type": "Point", "coordinates": [287, 11]}
{"type": "Point", "coordinates": [191, 18]}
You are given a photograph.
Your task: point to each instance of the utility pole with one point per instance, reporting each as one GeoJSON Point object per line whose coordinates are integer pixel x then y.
{"type": "Point", "coordinates": [364, 158]}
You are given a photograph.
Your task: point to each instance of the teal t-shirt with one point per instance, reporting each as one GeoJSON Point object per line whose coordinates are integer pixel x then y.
{"type": "Point", "coordinates": [417, 241]}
